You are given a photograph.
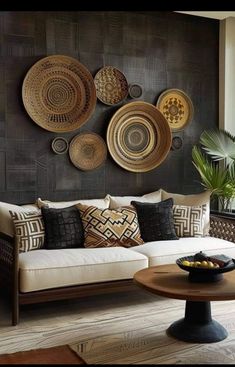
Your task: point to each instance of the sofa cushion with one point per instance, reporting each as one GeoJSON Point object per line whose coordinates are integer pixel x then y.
{"type": "Point", "coordinates": [6, 223]}
{"type": "Point", "coordinates": [43, 269]}
{"type": "Point", "coordinates": [156, 220]}
{"type": "Point", "coordinates": [119, 201]}
{"type": "Point", "coordinates": [192, 200]}
{"type": "Point", "coordinates": [106, 227]}
{"type": "Point", "coordinates": [189, 220]}
{"type": "Point", "coordinates": [29, 230]}
{"type": "Point", "coordinates": [100, 203]}
{"type": "Point", "coordinates": [167, 252]}
{"type": "Point", "coordinates": [63, 228]}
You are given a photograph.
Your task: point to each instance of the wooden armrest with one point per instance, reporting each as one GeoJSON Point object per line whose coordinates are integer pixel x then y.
{"type": "Point", "coordinates": [222, 226]}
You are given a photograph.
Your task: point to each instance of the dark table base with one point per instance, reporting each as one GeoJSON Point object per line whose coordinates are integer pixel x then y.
{"type": "Point", "coordinates": [197, 326]}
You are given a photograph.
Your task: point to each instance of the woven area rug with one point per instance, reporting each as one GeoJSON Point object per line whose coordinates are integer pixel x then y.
{"type": "Point", "coordinates": [151, 346]}
{"type": "Point", "coordinates": [122, 328]}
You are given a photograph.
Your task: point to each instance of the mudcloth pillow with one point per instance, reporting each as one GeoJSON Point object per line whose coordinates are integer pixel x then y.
{"type": "Point", "coordinates": [189, 220]}
{"type": "Point", "coordinates": [29, 230]}
{"type": "Point", "coordinates": [108, 228]}
{"type": "Point", "coordinates": [156, 220]}
{"type": "Point", "coordinates": [63, 228]}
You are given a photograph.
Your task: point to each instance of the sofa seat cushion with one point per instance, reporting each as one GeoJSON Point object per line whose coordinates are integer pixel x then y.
{"type": "Point", "coordinates": [44, 269]}
{"type": "Point", "coordinates": [167, 252]}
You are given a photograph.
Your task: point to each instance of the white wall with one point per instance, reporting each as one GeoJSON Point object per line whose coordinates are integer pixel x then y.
{"type": "Point", "coordinates": [227, 77]}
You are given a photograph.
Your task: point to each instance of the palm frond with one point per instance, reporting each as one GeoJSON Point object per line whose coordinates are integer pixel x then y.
{"type": "Point", "coordinates": [219, 144]}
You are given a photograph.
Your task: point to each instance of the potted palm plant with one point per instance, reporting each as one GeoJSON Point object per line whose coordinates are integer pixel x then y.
{"type": "Point", "coordinates": [214, 159]}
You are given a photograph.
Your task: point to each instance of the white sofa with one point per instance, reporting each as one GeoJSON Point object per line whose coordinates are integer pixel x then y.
{"type": "Point", "coordinates": [43, 275]}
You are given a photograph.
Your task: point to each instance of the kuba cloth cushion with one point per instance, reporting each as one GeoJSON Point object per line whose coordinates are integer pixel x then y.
{"type": "Point", "coordinates": [107, 228]}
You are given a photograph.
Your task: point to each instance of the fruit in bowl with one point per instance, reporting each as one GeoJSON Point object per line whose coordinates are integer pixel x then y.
{"type": "Point", "coordinates": [201, 264]}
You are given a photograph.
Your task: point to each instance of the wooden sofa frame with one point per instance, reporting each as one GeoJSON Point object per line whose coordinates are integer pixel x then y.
{"type": "Point", "coordinates": [221, 226]}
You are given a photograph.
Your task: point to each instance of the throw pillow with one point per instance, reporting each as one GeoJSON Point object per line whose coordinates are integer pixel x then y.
{"type": "Point", "coordinates": [108, 228]}
{"type": "Point", "coordinates": [63, 228]}
{"type": "Point", "coordinates": [6, 223]}
{"type": "Point", "coordinates": [119, 201]}
{"type": "Point", "coordinates": [189, 220]}
{"type": "Point", "coordinates": [29, 230]}
{"type": "Point", "coordinates": [100, 203]}
{"type": "Point", "coordinates": [193, 200]}
{"type": "Point", "coordinates": [156, 220]}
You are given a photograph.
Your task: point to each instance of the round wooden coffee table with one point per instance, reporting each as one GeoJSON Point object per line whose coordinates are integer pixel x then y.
{"type": "Point", "coordinates": [197, 325]}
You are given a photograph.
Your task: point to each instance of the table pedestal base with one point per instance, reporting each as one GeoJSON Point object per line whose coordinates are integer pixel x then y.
{"type": "Point", "coordinates": [197, 326]}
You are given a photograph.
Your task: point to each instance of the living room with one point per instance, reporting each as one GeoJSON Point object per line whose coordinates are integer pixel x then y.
{"type": "Point", "coordinates": [66, 136]}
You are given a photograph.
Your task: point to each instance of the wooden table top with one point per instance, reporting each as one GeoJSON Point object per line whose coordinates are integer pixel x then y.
{"type": "Point", "coordinates": [171, 281]}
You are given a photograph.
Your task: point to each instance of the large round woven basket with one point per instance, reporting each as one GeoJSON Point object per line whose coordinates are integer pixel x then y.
{"type": "Point", "coordinates": [177, 108]}
{"type": "Point", "coordinates": [138, 137]}
{"type": "Point", "coordinates": [59, 93]}
{"type": "Point", "coordinates": [87, 151]}
{"type": "Point", "coordinates": [111, 85]}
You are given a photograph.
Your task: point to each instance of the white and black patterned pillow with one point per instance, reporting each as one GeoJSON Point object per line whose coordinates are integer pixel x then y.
{"type": "Point", "coordinates": [189, 220]}
{"type": "Point", "coordinates": [29, 230]}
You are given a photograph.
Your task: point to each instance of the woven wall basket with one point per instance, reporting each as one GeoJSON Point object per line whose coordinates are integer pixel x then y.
{"type": "Point", "coordinates": [177, 108]}
{"type": "Point", "coordinates": [59, 93]}
{"type": "Point", "coordinates": [87, 151]}
{"type": "Point", "coordinates": [111, 85]}
{"type": "Point", "coordinates": [138, 137]}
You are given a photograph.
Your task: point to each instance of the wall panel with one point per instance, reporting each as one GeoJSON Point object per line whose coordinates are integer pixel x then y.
{"type": "Point", "coordinates": [157, 50]}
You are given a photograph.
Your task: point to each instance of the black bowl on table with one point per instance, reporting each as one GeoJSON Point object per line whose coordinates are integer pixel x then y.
{"type": "Point", "coordinates": [203, 274]}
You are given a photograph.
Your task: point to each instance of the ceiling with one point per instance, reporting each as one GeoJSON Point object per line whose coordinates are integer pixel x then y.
{"type": "Point", "coordinates": [210, 14]}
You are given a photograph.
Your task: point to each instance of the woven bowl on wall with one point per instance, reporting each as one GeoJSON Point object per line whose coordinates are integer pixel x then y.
{"type": "Point", "coordinates": [59, 93]}
{"type": "Point", "coordinates": [177, 108]}
{"type": "Point", "coordinates": [87, 151]}
{"type": "Point", "coordinates": [138, 137]}
{"type": "Point", "coordinates": [111, 85]}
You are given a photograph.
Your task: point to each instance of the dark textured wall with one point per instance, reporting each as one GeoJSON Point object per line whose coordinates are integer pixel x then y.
{"type": "Point", "coordinates": [158, 50]}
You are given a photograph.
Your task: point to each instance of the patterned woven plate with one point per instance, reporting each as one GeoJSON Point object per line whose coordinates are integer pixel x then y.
{"type": "Point", "coordinates": [138, 137]}
{"type": "Point", "coordinates": [177, 108]}
{"type": "Point", "coordinates": [111, 85]}
{"type": "Point", "coordinates": [59, 145]}
{"type": "Point", "coordinates": [59, 93]}
{"type": "Point", "coordinates": [87, 151]}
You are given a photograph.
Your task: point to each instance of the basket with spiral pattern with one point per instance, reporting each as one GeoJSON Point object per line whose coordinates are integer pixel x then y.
{"type": "Point", "coordinates": [59, 93]}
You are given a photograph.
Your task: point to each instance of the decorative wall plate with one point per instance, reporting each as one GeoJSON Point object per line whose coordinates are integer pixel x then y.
{"type": "Point", "coordinates": [177, 108]}
{"type": "Point", "coordinates": [135, 91]}
{"type": "Point", "coordinates": [87, 151]}
{"type": "Point", "coordinates": [111, 85]}
{"type": "Point", "coordinates": [138, 137]}
{"type": "Point", "coordinates": [176, 143]}
{"type": "Point", "coordinates": [59, 93]}
{"type": "Point", "coordinates": [59, 145]}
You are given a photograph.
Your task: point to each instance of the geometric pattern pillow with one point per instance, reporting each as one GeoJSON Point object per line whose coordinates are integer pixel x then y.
{"type": "Point", "coordinates": [29, 230]}
{"type": "Point", "coordinates": [189, 220]}
{"type": "Point", "coordinates": [110, 227]}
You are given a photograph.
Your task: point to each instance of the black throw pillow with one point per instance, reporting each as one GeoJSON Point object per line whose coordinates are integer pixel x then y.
{"type": "Point", "coordinates": [156, 220]}
{"type": "Point", "coordinates": [63, 228]}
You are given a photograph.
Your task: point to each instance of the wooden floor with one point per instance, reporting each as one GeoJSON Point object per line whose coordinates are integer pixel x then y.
{"type": "Point", "coordinates": [54, 355]}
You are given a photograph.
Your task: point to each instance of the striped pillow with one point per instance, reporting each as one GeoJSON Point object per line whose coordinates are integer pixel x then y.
{"type": "Point", "coordinates": [189, 220]}
{"type": "Point", "coordinates": [29, 230]}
